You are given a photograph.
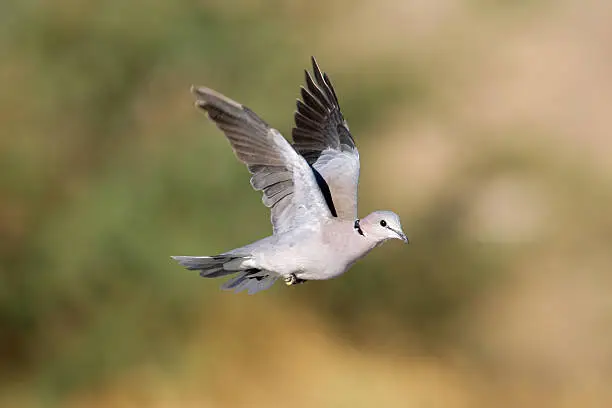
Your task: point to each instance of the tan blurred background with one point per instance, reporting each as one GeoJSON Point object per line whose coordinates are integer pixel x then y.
{"type": "Point", "coordinates": [484, 123]}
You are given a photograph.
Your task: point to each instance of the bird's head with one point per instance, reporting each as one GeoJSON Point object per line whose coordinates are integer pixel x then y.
{"type": "Point", "coordinates": [383, 225]}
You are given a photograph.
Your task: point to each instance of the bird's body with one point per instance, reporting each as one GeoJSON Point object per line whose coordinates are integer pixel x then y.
{"type": "Point", "coordinates": [310, 253]}
{"type": "Point", "coordinates": [310, 186]}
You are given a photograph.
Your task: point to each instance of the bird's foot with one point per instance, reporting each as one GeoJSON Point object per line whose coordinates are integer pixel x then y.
{"type": "Point", "coordinates": [293, 280]}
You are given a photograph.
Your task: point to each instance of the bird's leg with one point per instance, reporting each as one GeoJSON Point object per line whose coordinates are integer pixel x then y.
{"type": "Point", "coordinates": [291, 279]}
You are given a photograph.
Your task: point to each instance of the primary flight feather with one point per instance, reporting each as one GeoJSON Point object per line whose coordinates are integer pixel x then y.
{"type": "Point", "coordinates": [310, 188]}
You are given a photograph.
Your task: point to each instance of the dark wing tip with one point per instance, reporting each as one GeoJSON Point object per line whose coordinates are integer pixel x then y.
{"type": "Point", "coordinates": [323, 81]}
{"type": "Point", "coordinates": [319, 122]}
{"type": "Point", "coordinates": [315, 65]}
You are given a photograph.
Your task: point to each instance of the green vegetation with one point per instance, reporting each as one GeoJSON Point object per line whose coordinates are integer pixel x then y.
{"type": "Point", "coordinates": [106, 170]}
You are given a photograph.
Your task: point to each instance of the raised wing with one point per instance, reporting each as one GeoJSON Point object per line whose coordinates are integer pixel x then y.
{"type": "Point", "coordinates": [322, 136]}
{"type": "Point", "coordinates": [288, 183]}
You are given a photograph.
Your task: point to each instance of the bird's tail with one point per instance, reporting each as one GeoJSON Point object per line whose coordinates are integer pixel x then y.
{"type": "Point", "coordinates": [248, 278]}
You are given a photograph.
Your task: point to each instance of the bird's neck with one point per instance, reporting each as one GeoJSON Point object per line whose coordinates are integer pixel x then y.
{"type": "Point", "coordinates": [358, 242]}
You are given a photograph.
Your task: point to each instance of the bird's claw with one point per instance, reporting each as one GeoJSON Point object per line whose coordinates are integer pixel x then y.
{"type": "Point", "coordinates": [291, 279]}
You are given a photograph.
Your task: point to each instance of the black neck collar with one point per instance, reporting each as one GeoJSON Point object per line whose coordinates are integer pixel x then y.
{"type": "Point", "coordinates": [358, 228]}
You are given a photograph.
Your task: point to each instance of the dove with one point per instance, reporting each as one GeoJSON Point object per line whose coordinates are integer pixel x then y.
{"type": "Point", "coordinates": [310, 187]}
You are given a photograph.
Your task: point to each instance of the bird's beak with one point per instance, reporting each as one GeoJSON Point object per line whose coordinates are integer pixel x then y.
{"type": "Point", "coordinates": [401, 235]}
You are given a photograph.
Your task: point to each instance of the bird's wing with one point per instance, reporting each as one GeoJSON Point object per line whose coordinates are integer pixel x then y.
{"type": "Point", "coordinates": [322, 136]}
{"type": "Point", "coordinates": [288, 183]}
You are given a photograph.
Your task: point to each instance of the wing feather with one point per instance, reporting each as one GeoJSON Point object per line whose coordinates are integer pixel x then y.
{"type": "Point", "coordinates": [287, 181]}
{"type": "Point", "coordinates": [322, 136]}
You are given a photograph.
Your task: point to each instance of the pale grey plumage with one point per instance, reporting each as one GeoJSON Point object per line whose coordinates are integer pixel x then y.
{"type": "Point", "coordinates": [310, 188]}
{"type": "Point", "coordinates": [278, 170]}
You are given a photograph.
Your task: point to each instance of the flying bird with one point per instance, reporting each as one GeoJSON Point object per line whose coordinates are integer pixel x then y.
{"type": "Point", "coordinates": [310, 187]}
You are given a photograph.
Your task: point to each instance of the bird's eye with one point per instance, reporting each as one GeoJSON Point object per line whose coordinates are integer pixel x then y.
{"type": "Point", "coordinates": [383, 223]}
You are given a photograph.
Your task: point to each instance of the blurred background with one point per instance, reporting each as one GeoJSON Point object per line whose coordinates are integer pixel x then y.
{"type": "Point", "coordinates": [484, 123]}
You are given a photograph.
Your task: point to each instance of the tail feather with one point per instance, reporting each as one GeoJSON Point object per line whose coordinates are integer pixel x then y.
{"type": "Point", "coordinates": [215, 273]}
{"type": "Point", "coordinates": [252, 279]}
{"type": "Point", "coordinates": [210, 266]}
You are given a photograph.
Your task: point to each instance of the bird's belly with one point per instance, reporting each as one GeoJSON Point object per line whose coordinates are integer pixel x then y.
{"type": "Point", "coordinates": [307, 258]}
{"type": "Point", "coordinates": [329, 263]}
{"type": "Point", "coordinates": [321, 266]}
{"type": "Point", "coordinates": [320, 274]}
